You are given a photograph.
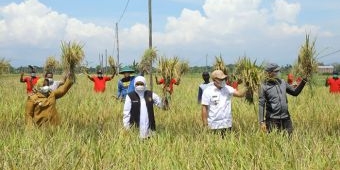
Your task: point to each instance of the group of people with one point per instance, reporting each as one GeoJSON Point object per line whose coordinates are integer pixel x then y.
{"type": "Point", "coordinates": [215, 98]}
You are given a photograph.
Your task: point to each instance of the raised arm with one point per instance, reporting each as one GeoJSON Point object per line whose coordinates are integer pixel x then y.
{"type": "Point", "coordinates": [295, 91]}
{"type": "Point", "coordinates": [240, 93]}
{"type": "Point", "coordinates": [22, 77]}
{"type": "Point", "coordinates": [88, 76]}
{"type": "Point", "coordinates": [62, 90]}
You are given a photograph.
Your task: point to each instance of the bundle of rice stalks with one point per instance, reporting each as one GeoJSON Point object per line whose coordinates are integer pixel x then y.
{"type": "Point", "coordinates": [51, 64]}
{"type": "Point", "coordinates": [168, 68]}
{"type": "Point", "coordinates": [251, 74]}
{"type": "Point", "coordinates": [72, 55]}
{"type": "Point", "coordinates": [4, 66]}
{"type": "Point", "coordinates": [149, 57]}
{"type": "Point", "coordinates": [114, 65]}
{"type": "Point", "coordinates": [219, 65]}
{"type": "Point", "coordinates": [307, 63]}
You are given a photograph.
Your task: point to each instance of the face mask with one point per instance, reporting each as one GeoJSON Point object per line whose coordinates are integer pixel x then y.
{"type": "Point", "coordinates": [45, 89]}
{"type": "Point", "coordinates": [32, 74]}
{"type": "Point", "coordinates": [335, 75]}
{"type": "Point", "coordinates": [100, 75]}
{"type": "Point", "coordinates": [140, 88]}
{"type": "Point", "coordinates": [223, 83]}
{"type": "Point", "coordinates": [50, 81]}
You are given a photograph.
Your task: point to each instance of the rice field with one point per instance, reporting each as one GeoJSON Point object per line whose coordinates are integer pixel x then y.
{"type": "Point", "coordinates": [91, 135]}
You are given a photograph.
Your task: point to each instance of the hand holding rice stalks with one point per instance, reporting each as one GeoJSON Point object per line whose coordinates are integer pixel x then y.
{"type": "Point", "coordinates": [149, 56]}
{"type": "Point", "coordinates": [168, 68]}
{"type": "Point", "coordinates": [72, 55]}
{"type": "Point", "coordinates": [307, 63]}
{"type": "Point", "coordinates": [114, 65]}
{"type": "Point", "coordinates": [51, 64]}
{"type": "Point", "coordinates": [251, 74]}
{"type": "Point", "coordinates": [219, 65]}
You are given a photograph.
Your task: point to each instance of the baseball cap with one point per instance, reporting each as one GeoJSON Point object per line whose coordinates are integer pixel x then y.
{"type": "Point", "coordinates": [218, 74]}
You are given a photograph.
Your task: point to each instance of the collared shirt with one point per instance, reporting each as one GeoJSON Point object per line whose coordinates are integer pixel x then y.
{"type": "Point", "coordinates": [55, 85]}
{"type": "Point", "coordinates": [219, 106]}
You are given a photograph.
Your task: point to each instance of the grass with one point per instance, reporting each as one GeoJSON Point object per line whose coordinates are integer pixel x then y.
{"type": "Point", "coordinates": [92, 136]}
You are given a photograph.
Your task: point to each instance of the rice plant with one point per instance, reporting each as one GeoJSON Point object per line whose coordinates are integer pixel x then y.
{"type": "Point", "coordinates": [251, 74]}
{"type": "Point", "coordinates": [4, 66]}
{"type": "Point", "coordinates": [72, 54]}
{"type": "Point", "coordinates": [51, 64]}
{"type": "Point", "coordinates": [220, 65]}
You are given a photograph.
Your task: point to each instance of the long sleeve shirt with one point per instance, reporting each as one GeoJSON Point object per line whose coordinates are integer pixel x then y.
{"type": "Point", "coordinates": [273, 100]}
{"type": "Point", "coordinates": [144, 130]}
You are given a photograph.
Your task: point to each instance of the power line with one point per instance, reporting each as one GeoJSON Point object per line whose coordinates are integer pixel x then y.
{"type": "Point", "coordinates": [330, 53]}
{"type": "Point", "coordinates": [127, 4]}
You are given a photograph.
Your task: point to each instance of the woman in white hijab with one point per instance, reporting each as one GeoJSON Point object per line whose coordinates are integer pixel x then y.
{"type": "Point", "coordinates": [138, 108]}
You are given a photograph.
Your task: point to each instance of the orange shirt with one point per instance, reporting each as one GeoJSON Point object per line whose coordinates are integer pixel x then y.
{"type": "Point", "coordinates": [30, 82]}
{"type": "Point", "coordinates": [100, 84]}
{"type": "Point", "coordinates": [290, 79]}
{"type": "Point", "coordinates": [334, 85]}
{"type": "Point", "coordinates": [171, 85]}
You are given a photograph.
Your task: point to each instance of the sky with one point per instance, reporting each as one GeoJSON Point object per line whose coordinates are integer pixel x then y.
{"type": "Point", "coordinates": [194, 30]}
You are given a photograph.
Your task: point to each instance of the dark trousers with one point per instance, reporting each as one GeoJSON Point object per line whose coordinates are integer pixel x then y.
{"type": "Point", "coordinates": [280, 124]}
{"type": "Point", "coordinates": [221, 132]}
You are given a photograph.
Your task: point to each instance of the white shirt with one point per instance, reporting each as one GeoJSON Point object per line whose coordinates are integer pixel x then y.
{"type": "Point", "coordinates": [219, 106]}
{"type": "Point", "coordinates": [144, 130]}
{"type": "Point", "coordinates": [55, 85]}
{"type": "Point", "coordinates": [204, 86]}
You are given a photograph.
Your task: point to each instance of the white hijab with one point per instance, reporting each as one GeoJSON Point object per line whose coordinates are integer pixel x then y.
{"type": "Point", "coordinates": [140, 79]}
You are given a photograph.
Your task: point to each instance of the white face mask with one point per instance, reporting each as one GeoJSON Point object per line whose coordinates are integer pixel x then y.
{"type": "Point", "coordinates": [50, 81]}
{"type": "Point", "coordinates": [45, 89]}
{"type": "Point", "coordinates": [140, 88]}
{"type": "Point", "coordinates": [223, 83]}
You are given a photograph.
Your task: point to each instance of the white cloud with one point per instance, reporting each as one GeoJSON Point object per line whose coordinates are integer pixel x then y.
{"type": "Point", "coordinates": [284, 11]}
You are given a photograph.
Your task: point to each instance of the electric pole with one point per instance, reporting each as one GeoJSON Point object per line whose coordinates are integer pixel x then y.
{"type": "Point", "coordinates": [117, 47]}
{"type": "Point", "coordinates": [150, 42]}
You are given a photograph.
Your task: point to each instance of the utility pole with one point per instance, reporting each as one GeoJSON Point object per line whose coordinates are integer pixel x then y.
{"type": "Point", "coordinates": [105, 61]}
{"type": "Point", "coordinates": [206, 62]}
{"type": "Point", "coordinates": [117, 47]}
{"type": "Point", "coordinates": [150, 41]}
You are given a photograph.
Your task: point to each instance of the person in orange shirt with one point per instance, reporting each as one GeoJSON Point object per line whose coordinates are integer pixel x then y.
{"type": "Point", "coordinates": [29, 80]}
{"type": "Point", "coordinates": [290, 79]}
{"type": "Point", "coordinates": [333, 83]}
{"type": "Point", "coordinates": [99, 81]}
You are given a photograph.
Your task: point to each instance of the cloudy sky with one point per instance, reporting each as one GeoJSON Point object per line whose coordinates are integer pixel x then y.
{"type": "Point", "coordinates": [265, 30]}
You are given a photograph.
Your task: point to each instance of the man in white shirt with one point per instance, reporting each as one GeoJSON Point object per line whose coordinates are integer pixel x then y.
{"type": "Point", "coordinates": [53, 84]}
{"type": "Point", "coordinates": [138, 108]}
{"type": "Point", "coordinates": [216, 103]}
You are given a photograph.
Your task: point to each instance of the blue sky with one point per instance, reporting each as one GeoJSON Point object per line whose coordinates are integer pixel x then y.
{"type": "Point", "coordinates": [265, 30]}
